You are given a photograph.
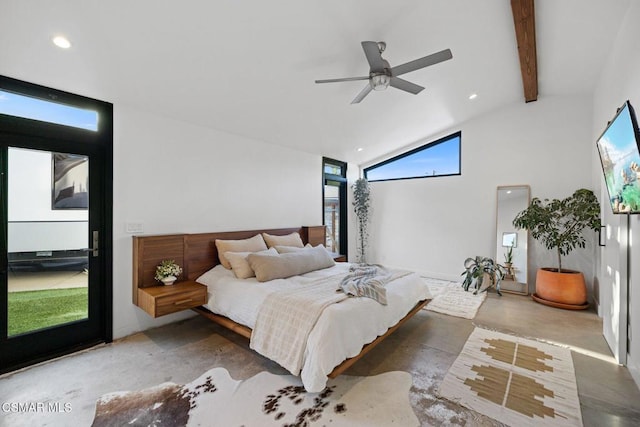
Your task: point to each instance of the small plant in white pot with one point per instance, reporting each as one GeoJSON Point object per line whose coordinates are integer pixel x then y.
{"type": "Point", "coordinates": [167, 272]}
{"type": "Point", "coordinates": [559, 225]}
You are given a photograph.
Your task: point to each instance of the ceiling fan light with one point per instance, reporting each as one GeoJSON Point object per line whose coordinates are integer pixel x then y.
{"type": "Point", "coordinates": [379, 81]}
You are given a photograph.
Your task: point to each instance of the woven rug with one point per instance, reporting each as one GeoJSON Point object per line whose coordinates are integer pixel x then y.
{"type": "Point", "coordinates": [516, 381]}
{"type": "Point", "coordinates": [449, 298]}
{"type": "Point", "coordinates": [215, 399]}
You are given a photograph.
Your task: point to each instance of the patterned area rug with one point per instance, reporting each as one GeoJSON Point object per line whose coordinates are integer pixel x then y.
{"type": "Point", "coordinates": [516, 381]}
{"type": "Point", "coordinates": [216, 399]}
{"type": "Point", "coordinates": [449, 298]}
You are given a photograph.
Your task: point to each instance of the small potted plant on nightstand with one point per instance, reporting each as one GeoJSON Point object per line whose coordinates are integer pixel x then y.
{"type": "Point", "coordinates": [167, 272]}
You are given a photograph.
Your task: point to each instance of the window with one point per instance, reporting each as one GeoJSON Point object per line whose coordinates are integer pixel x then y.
{"type": "Point", "coordinates": [334, 202]}
{"type": "Point", "coordinates": [28, 107]}
{"type": "Point", "coordinates": [438, 158]}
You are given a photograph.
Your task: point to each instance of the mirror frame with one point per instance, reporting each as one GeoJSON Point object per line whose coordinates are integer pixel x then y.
{"type": "Point", "coordinates": [522, 244]}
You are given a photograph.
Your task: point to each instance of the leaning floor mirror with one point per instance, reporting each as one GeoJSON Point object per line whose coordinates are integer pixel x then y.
{"type": "Point", "coordinates": [511, 244]}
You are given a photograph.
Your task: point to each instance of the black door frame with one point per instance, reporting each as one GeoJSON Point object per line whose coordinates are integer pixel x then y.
{"type": "Point", "coordinates": [33, 134]}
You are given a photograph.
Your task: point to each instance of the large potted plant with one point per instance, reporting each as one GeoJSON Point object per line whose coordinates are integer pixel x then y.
{"type": "Point", "coordinates": [362, 209]}
{"type": "Point", "coordinates": [559, 225]}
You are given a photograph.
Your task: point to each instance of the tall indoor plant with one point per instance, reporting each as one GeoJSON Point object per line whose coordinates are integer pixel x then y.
{"type": "Point", "coordinates": [559, 225]}
{"type": "Point", "coordinates": [362, 209]}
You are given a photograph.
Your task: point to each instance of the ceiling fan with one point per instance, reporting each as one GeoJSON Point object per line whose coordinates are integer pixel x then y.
{"type": "Point", "coordinates": [381, 74]}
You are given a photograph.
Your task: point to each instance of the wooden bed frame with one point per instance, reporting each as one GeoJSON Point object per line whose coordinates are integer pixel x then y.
{"type": "Point", "coordinates": [197, 254]}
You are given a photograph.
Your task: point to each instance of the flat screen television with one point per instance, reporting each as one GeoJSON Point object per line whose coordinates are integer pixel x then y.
{"type": "Point", "coordinates": [619, 149]}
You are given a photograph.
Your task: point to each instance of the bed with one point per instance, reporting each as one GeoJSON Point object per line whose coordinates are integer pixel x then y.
{"type": "Point", "coordinates": [343, 332]}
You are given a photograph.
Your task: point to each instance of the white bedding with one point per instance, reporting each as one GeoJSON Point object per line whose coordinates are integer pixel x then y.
{"type": "Point", "coordinates": [335, 336]}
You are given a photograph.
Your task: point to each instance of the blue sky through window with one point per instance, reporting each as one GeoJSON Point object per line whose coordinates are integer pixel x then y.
{"type": "Point", "coordinates": [442, 158]}
{"type": "Point", "coordinates": [32, 108]}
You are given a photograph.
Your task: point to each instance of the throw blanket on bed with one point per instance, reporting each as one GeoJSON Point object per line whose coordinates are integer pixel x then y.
{"type": "Point", "coordinates": [286, 318]}
{"type": "Point", "coordinates": [369, 281]}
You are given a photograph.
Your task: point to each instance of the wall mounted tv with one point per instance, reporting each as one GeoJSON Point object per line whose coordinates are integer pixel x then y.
{"type": "Point", "coordinates": [619, 148]}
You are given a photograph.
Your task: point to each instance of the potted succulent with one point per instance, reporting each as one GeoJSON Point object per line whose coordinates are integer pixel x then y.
{"type": "Point", "coordinates": [167, 272]}
{"type": "Point", "coordinates": [559, 225]}
{"type": "Point", "coordinates": [475, 271]}
{"type": "Point", "coordinates": [508, 257]}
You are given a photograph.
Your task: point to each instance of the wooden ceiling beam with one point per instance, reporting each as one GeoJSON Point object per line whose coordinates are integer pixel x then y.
{"type": "Point", "coordinates": [525, 25]}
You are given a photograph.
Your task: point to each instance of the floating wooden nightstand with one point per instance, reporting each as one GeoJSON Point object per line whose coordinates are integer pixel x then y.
{"type": "Point", "coordinates": [160, 300]}
{"type": "Point", "coordinates": [339, 257]}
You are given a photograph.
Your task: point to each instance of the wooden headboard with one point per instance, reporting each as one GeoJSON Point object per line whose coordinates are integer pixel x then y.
{"type": "Point", "coordinates": [196, 253]}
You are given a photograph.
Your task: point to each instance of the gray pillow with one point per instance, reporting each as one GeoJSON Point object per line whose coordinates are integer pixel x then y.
{"type": "Point", "coordinates": [270, 267]}
{"type": "Point", "coordinates": [287, 249]}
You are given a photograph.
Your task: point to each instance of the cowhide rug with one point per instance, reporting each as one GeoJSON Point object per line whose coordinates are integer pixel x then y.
{"type": "Point", "coordinates": [216, 399]}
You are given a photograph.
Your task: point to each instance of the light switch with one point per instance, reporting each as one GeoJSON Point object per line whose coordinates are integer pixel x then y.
{"type": "Point", "coordinates": [134, 227]}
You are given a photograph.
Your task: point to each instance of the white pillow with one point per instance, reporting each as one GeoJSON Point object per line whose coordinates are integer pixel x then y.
{"type": "Point", "coordinates": [292, 239]}
{"type": "Point", "coordinates": [270, 267]}
{"type": "Point", "coordinates": [240, 265]}
{"type": "Point", "coordinates": [253, 244]}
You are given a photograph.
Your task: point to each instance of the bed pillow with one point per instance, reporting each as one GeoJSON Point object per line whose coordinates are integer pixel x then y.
{"type": "Point", "coordinates": [270, 267]}
{"type": "Point", "coordinates": [292, 239]}
{"type": "Point", "coordinates": [253, 244]}
{"type": "Point", "coordinates": [239, 264]}
{"type": "Point", "coordinates": [283, 249]}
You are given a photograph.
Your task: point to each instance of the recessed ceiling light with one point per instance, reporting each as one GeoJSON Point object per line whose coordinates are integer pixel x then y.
{"type": "Point", "coordinates": [508, 191]}
{"type": "Point", "coordinates": [359, 149]}
{"type": "Point", "coordinates": [473, 96]}
{"type": "Point", "coordinates": [62, 42]}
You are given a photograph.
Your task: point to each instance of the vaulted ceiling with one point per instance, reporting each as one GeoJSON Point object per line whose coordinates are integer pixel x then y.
{"type": "Point", "coordinates": [248, 67]}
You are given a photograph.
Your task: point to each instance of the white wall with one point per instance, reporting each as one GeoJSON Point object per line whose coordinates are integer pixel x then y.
{"type": "Point", "coordinates": [432, 224]}
{"type": "Point", "coordinates": [353, 173]}
{"type": "Point", "coordinates": [619, 81]}
{"type": "Point", "coordinates": [175, 177]}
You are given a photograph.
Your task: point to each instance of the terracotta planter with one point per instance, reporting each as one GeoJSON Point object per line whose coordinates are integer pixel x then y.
{"type": "Point", "coordinates": [566, 288]}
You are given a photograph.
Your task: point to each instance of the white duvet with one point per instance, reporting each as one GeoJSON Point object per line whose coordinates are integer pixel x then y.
{"type": "Point", "coordinates": [342, 328]}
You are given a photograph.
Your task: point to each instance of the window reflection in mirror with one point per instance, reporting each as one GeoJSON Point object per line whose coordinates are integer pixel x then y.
{"type": "Point", "coordinates": [509, 240]}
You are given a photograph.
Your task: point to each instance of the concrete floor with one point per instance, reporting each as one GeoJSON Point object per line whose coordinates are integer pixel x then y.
{"type": "Point", "coordinates": [425, 346]}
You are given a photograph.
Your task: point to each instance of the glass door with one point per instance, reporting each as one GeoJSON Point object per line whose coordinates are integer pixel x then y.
{"type": "Point", "coordinates": [47, 235]}
{"type": "Point", "coordinates": [334, 202]}
{"type": "Point", "coordinates": [52, 271]}
{"type": "Point", "coordinates": [332, 215]}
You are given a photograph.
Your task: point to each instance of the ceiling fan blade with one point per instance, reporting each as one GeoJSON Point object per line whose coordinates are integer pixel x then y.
{"type": "Point", "coordinates": [372, 52]}
{"type": "Point", "coordinates": [345, 79]}
{"type": "Point", "coordinates": [402, 84]}
{"type": "Point", "coordinates": [432, 59]}
{"type": "Point", "coordinates": [362, 94]}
